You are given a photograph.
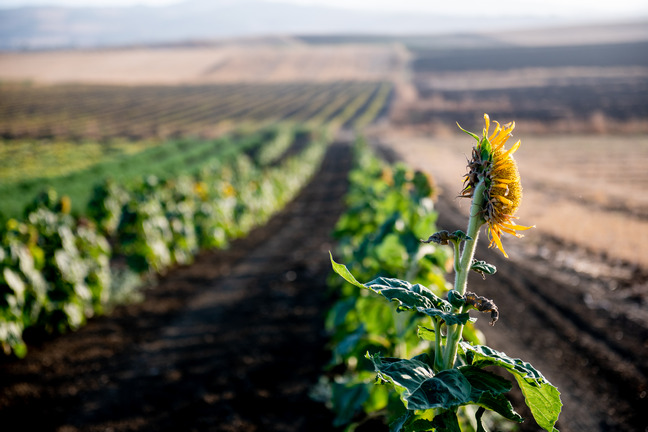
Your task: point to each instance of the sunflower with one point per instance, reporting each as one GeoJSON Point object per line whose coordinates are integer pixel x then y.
{"type": "Point", "coordinates": [493, 164]}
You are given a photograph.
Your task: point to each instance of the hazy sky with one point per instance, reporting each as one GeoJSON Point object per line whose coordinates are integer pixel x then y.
{"type": "Point", "coordinates": [561, 8]}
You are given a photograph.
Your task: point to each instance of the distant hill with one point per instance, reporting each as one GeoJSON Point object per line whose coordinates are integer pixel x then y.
{"type": "Point", "coordinates": [621, 32]}
{"type": "Point", "coordinates": [57, 27]}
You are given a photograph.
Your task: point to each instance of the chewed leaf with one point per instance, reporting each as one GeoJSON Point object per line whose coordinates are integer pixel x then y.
{"type": "Point", "coordinates": [413, 297]}
{"type": "Point", "coordinates": [408, 296]}
{"type": "Point", "coordinates": [480, 355]}
{"type": "Point", "coordinates": [482, 304]}
{"type": "Point", "coordinates": [540, 396]}
{"type": "Point", "coordinates": [444, 236]}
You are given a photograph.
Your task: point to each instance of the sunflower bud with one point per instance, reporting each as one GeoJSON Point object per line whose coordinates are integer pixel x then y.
{"type": "Point", "coordinates": [493, 164]}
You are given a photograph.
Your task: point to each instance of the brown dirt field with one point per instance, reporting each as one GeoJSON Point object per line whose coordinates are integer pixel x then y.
{"type": "Point", "coordinates": [230, 63]}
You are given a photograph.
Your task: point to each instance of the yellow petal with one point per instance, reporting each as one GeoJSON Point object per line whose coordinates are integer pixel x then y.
{"type": "Point", "coordinates": [486, 124]}
{"type": "Point", "coordinates": [510, 231]}
{"type": "Point", "coordinates": [512, 150]}
{"type": "Point", "coordinates": [498, 242]}
{"type": "Point", "coordinates": [502, 199]}
{"type": "Point", "coordinates": [517, 227]}
{"type": "Point", "coordinates": [496, 132]}
{"type": "Point", "coordinates": [504, 181]}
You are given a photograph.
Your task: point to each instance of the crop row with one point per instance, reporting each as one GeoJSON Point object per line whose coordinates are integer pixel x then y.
{"type": "Point", "coordinates": [56, 269]}
{"type": "Point", "coordinates": [27, 159]}
{"type": "Point", "coordinates": [99, 112]}
{"type": "Point", "coordinates": [390, 209]}
{"type": "Point", "coordinates": [336, 105]}
{"type": "Point", "coordinates": [171, 157]}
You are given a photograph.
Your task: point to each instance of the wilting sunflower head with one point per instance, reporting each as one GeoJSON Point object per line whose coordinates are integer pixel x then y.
{"type": "Point", "coordinates": [493, 164]}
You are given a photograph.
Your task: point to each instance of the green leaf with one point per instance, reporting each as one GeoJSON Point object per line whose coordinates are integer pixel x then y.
{"type": "Point", "coordinates": [425, 425]}
{"type": "Point", "coordinates": [488, 391]}
{"type": "Point", "coordinates": [391, 251]}
{"type": "Point", "coordinates": [408, 296]}
{"type": "Point", "coordinates": [345, 273]}
{"type": "Point", "coordinates": [544, 402]}
{"type": "Point", "coordinates": [15, 282]}
{"type": "Point", "coordinates": [347, 400]}
{"type": "Point", "coordinates": [499, 404]}
{"type": "Point", "coordinates": [468, 132]}
{"type": "Point", "coordinates": [419, 387]}
{"type": "Point", "coordinates": [446, 422]}
{"type": "Point", "coordinates": [540, 396]}
{"type": "Point", "coordinates": [414, 297]}
{"type": "Point", "coordinates": [397, 425]}
{"type": "Point", "coordinates": [483, 268]}
{"type": "Point", "coordinates": [443, 237]}
{"type": "Point", "coordinates": [482, 380]}
{"type": "Point", "coordinates": [427, 334]}
{"type": "Point", "coordinates": [456, 299]}
{"type": "Point", "coordinates": [450, 318]}
{"type": "Point", "coordinates": [486, 149]}
{"type": "Point", "coordinates": [416, 421]}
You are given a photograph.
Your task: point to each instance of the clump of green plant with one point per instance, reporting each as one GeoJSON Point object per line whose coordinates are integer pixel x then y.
{"type": "Point", "coordinates": [58, 269]}
{"type": "Point", "coordinates": [435, 386]}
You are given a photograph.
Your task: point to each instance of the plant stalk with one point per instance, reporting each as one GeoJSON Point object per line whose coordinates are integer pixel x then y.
{"type": "Point", "coordinates": [461, 276]}
{"type": "Point", "coordinates": [438, 353]}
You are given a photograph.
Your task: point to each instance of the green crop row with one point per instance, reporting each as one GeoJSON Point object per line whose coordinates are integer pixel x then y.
{"type": "Point", "coordinates": [26, 159]}
{"type": "Point", "coordinates": [56, 269]}
{"type": "Point", "coordinates": [169, 158]}
{"type": "Point", "coordinates": [390, 209]}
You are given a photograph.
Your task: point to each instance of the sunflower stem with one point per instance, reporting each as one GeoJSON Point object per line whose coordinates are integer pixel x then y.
{"type": "Point", "coordinates": [438, 351]}
{"type": "Point", "coordinates": [461, 273]}
{"type": "Point", "coordinates": [474, 224]}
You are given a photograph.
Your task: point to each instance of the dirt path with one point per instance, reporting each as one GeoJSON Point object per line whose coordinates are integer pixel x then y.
{"type": "Point", "coordinates": [232, 343]}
